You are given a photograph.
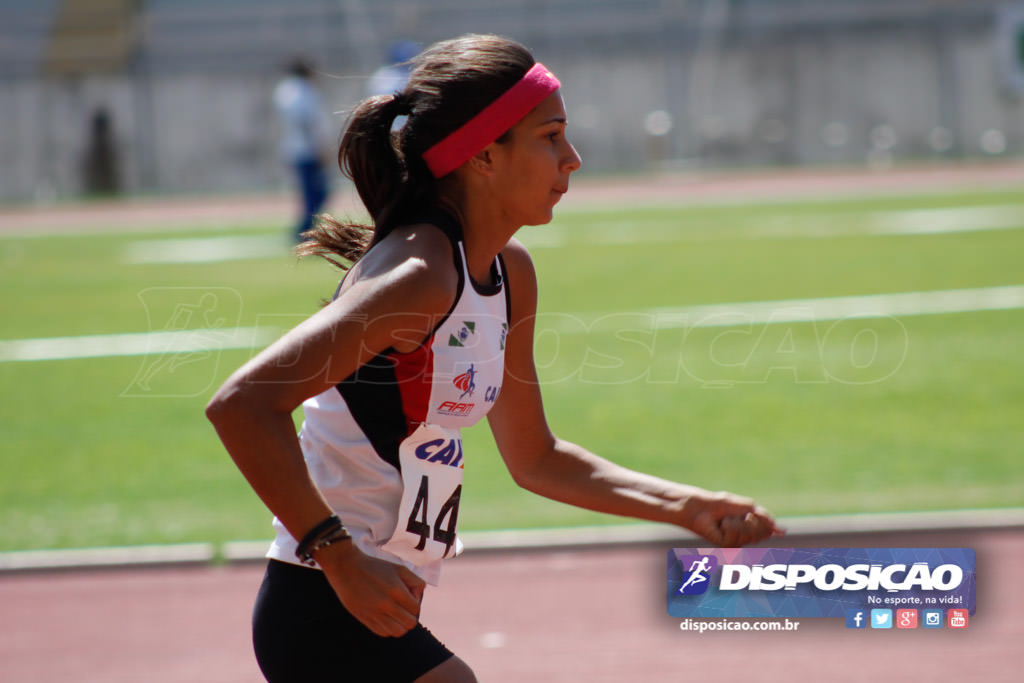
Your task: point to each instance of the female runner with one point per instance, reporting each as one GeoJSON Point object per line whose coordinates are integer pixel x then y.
{"type": "Point", "coordinates": [430, 330]}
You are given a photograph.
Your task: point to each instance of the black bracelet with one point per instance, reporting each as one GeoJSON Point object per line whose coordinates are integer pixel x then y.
{"type": "Point", "coordinates": [329, 531]}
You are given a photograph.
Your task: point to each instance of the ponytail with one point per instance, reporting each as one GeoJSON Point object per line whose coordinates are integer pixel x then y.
{"type": "Point", "coordinates": [369, 155]}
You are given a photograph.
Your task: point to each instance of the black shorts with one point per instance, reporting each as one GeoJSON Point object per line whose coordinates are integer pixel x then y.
{"type": "Point", "coordinates": [302, 632]}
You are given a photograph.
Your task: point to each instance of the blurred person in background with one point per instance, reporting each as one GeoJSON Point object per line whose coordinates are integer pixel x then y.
{"type": "Point", "coordinates": [99, 166]}
{"type": "Point", "coordinates": [305, 141]}
{"type": "Point", "coordinates": [430, 330]}
{"type": "Point", "coordinates": [393, 76]}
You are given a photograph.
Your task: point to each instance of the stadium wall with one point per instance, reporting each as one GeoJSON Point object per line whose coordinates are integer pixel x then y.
{"type": "Point", "coordinates": [648, 84]}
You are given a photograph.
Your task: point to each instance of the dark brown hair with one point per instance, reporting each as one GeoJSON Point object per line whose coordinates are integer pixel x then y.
{"type": "Point", "coordinates": [450, 83]}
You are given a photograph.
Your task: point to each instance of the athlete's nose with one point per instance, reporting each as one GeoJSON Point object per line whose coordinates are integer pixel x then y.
{"type": "Point", "coordinates": [571, 161]}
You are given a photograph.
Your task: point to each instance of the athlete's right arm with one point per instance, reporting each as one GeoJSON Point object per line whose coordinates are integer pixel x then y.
{"type": "Point", "coordinates": [392, 298]}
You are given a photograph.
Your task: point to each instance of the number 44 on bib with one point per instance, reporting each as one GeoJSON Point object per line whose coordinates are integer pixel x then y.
{"type": "Point", "coordinates": [431, 460]}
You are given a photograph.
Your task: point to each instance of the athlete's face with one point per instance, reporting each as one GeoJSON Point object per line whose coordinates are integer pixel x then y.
{"type": "Point", "coordinates": [532, 167]}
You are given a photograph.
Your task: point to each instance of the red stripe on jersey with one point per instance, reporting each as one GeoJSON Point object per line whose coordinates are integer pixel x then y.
{"type": "Point", "coordinates": [414, 373]}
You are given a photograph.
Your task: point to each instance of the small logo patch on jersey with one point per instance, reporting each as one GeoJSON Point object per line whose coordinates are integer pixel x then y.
{"type": "Point", "coordinates": [459, 339]}
{"type": "Point", "coordinates": [466, 382]}
{"type": "Point", "coordinates": [455, 408]}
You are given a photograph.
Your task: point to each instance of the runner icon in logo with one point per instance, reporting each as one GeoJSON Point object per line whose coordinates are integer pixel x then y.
{"type": "Point", "coordinates": [466, 382]}
{"type": "Point", "coordinates": [698, 576]}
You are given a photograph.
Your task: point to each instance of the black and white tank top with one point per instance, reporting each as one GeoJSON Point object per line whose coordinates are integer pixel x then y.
{"type": "Point", "coordinates": [384, 446]}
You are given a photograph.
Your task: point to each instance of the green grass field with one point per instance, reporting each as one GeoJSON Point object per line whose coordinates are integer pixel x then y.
{"type": "Point", "coordinates": [904, 412]}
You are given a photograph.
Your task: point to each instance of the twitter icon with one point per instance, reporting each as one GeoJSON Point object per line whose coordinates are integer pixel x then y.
{"type": "Point", "coordinates": [881, 618]}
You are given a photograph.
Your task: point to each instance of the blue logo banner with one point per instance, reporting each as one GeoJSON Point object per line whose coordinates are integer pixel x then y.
{"type": "Point", "coordinates": [818, 582]}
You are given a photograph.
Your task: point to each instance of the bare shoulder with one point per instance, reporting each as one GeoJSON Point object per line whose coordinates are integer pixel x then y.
{"type": "Point", "coordinates": [415, 263]}
{"type": "Point", "coordinates": [522, 278]}
{"type": "Point", "coordinates": [516, 255]}
{"type": "Point", "coordinates": [519, 263]}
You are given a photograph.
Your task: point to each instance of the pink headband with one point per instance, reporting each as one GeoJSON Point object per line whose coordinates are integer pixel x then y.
{"type": "Point", "coordinates": [496, 118]}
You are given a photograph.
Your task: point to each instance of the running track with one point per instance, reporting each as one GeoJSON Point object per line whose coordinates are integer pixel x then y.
{"type": "Point", "coordinates": [595, 615]}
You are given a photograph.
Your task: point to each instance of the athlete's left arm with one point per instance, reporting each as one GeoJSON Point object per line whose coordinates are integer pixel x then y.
{"type": "Point", "coordinates": [544, 464]}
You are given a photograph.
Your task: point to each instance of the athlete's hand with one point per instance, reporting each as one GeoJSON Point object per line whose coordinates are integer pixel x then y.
{"type": "Point", "coordinates": [385, 597]}
{"type": "Point", "coordinates": [727, 520]}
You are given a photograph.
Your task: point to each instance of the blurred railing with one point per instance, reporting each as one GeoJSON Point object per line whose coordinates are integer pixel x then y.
{"type": "Point", "coordinates": [92, 37]}
{"type": "Point", "coordinates": [648, 83]}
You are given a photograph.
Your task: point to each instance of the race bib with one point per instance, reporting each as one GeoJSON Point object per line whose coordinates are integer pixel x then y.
{"type": "Point", "coordinates": [432, 467]}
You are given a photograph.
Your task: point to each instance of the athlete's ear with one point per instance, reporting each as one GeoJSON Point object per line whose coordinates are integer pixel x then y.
{"type": "Point", "coordinates": [483, 161]}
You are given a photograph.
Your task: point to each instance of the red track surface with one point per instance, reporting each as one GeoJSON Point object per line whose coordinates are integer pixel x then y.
{"type": "Point", "coordinates": [595, 615]}
{"type": "Point", "coordinates": [160, 214]}
{"type": "Point", "coordinates": [574, 615]}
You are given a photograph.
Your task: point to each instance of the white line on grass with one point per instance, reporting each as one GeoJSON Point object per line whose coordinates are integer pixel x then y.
{"type": "Point", "coordinates": [947, 220]}
{"type": "Point", "coordinates": [621, 232]}
{"type": "Point", "coordinates": [810, 310]}
{"type": "Point", "coordinates": [136, 344]}
{"type": "Point", "coordinates": [205, 249]}
{"type": "Point", "coordinates": [604, 232]}
{"type": "Point", "coordinates": [713, 315]}
{"type": "Point", "coordinates": [552, 539]}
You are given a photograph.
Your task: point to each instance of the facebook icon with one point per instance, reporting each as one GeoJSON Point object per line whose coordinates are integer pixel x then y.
{"type": "Point", "coordinates": [856, 618]}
